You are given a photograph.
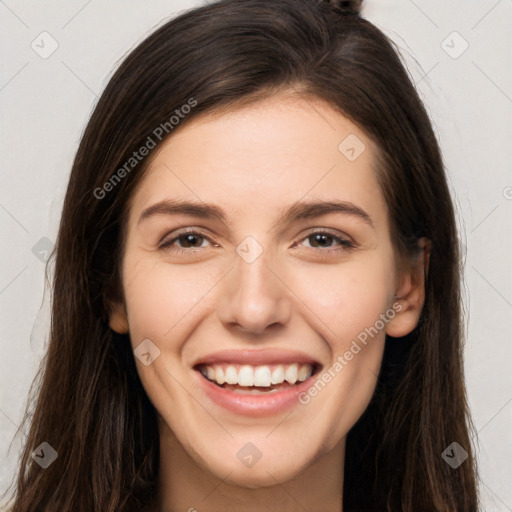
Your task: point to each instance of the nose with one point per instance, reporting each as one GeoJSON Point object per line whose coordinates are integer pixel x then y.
{"type": "Point", "coordinates": [254, 298]}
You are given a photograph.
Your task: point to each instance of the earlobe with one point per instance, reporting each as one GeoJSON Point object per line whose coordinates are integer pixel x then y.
{"type": "Point", "coordinates": [118, 319]}
{"type": "Point", "coordinates": [410, 294]}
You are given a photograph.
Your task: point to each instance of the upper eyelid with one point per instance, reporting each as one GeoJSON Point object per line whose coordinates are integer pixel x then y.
{"type": "Point", "coordinates": [186, 231]}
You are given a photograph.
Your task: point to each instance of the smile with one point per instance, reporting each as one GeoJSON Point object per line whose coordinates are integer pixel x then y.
{"type": "Point", "coordinates": [244, 383]}
{"type": "Point", "coordinates": [265, 376]}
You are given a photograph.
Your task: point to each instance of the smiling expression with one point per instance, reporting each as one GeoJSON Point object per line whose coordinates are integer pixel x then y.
{"type": "Point", "coordinates": [256, 252]}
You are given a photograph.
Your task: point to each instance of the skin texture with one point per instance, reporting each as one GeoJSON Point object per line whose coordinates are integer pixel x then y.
{"type": "Point", "coordinates": [253, 163]}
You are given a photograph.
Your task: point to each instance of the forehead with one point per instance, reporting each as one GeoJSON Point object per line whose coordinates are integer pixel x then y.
{"type": "Point", "coordinates": [265, 156]}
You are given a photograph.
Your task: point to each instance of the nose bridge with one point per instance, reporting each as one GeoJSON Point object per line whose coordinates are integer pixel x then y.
{"type": "Point", "coordinates": [255, 297]}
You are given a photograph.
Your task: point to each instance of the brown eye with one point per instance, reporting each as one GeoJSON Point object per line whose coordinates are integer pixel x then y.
{"type": "Point", "coordinates": [328, 241]}
{"type": "Point", "coordinates": [187, 240]}
{"type": "Point", "coordinates": [320, 240]}
{"type": "Point", "coordinates": [190, 240]}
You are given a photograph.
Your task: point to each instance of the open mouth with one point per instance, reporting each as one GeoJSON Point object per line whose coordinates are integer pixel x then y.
{"type": "Point", "coordinates": [261, 379]}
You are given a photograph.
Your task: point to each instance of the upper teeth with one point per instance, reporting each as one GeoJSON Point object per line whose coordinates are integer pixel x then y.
{"type": "Point", "coordinates": [263, 376]}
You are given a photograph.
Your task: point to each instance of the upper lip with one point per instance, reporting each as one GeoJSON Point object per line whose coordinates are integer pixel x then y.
{"type": "Point", "coordinates": [256, 357]}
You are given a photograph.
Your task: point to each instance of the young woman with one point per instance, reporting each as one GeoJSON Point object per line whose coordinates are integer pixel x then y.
{"type": "Point", "coordinates": [256, 298]}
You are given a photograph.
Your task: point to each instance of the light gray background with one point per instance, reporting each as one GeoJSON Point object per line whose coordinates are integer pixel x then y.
{"type": "Point", "coordinates": [45, 104]}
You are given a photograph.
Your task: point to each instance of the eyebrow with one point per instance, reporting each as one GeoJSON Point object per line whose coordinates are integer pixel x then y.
{"type": "Point", "coordinates": [299, 210]}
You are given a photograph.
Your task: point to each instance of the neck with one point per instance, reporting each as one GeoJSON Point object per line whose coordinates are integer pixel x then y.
{"type": "Point", "coordinates": [184, 486]}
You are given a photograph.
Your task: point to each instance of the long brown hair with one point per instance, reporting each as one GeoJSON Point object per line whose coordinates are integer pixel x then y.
{"type": "Point", "coordinates": [90, 406]}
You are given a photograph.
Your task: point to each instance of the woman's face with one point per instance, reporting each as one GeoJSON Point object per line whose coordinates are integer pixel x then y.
{"type": "Point", "coordinates": [290, 270]}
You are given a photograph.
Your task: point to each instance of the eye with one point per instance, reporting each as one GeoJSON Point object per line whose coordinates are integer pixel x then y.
{"type": "Point", "coordinates": [186, 240]}
{"type": "Point", "coordinates": [189, 241]}
{"type": "Point", "coordinates": [327, 241]}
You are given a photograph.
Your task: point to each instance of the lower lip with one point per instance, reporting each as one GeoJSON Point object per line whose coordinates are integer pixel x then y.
{"type": "Point", "coordinates": [263, 404]}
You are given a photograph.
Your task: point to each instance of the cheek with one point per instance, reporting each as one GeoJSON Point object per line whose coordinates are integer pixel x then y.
{"type": "Point", "coordinates": [347, 298]}
{"type": "Point", "coordinates": [161, 298]}
{"type": "Point", "coordinates": [349, 301]}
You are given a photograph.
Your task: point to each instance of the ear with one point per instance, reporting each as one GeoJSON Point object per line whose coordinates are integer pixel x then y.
{"type": "Point", "coordinates": [410, 293]}
{"type": "Point", "coordinates": [118, 318]}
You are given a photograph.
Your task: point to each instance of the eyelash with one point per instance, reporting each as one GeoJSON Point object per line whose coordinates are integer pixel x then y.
{"type": "Point", "coordinates": [344, 244]}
